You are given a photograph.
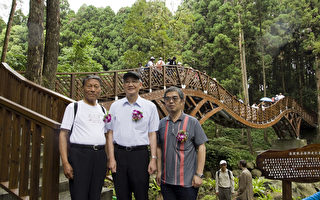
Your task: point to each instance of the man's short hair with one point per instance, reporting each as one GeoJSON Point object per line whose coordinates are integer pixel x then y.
{"type": "Point", "coordinates": [174, 89]}
{"type": "Point", "coordinates": [91, 77]}
{"type": "Point", "coordinates": [243, 163]}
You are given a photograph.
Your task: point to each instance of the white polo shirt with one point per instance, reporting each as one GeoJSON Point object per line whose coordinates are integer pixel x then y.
{"type": "Point", "coordinates": [88, 126]}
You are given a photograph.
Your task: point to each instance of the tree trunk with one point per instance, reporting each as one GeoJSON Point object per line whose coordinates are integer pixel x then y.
{"type": "Point", "coordinates": [7, 36]}
{"type": "Point", "coordinates": [249, 139]}
{"type": "Point", "coordinates": [318, 93]}
{"type": "Point", "coordinates": [51, 51]}
{"type": "Point", "coordinates": [35, 41]}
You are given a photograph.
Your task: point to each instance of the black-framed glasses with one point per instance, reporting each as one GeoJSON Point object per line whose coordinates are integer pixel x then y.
{"type": "Point", "coordinates": [173, 98]}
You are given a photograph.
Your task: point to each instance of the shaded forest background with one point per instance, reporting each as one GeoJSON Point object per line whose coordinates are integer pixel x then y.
{"type": "Point", "coordinates": [280, 39]}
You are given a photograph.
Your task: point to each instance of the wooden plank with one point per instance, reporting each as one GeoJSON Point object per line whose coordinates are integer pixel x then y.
{"type": "Point", "coordinates": [25, 160]}
{"type": "Point", "coordinates": [5, 146]}
{"type": "Point", "coordinates": [35, 161]}
{"type": "Point", "coordinates": [14, 159]}
{"type": "Point", "coordinates": [50, 177]}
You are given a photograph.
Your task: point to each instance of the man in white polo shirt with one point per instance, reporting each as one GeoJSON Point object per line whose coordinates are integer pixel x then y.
{"type": "Point", "coordinates": [224, 182]}
{"type": "Point", "coordinates": [134, 122]}
{"type": "Point", "coordinates": [85, 162]}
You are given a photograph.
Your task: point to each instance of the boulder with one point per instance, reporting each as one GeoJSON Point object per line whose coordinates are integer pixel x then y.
{"type": "Point", "coordinates": [256, 173]}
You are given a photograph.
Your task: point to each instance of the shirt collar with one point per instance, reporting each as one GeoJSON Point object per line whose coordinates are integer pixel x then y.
{"type": "Point", "coordinates": [138, 101]}
{"type": "Point", "coordinates": [181, 118]}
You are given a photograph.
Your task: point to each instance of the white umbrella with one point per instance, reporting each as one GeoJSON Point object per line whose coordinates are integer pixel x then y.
{"type": "Point", "coordinates": [267, 99]}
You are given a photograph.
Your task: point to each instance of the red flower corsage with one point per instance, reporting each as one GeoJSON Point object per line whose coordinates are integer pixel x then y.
{"type": "Point", "coordinates": [107, 118]}
{"type": "Point", "coordinates": [136, 115]}
{"type": "Point", "coordinates": [182, 136]}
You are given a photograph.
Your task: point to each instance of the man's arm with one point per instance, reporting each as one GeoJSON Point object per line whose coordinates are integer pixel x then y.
{"type": "Point", "coordinates": [201, 158]}
{"type": "Point", "coordinates": [63, 147]}
{"type": "Point", "coordinates": [159, 158]}
{"type": "Point", "coordinates": [112, 164]}
{"type": "Point", "coordinates": [153, 148]}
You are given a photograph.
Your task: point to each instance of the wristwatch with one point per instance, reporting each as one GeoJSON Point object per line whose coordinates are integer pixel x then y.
{"type": "Point", "coordinates": [200, 175]}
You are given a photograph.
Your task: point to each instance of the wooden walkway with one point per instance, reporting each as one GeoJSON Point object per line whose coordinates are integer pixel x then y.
{"type": "Point", "coordinates": [31, 116]}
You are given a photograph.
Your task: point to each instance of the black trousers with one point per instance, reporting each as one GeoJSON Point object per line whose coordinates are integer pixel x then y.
{"type": "Point", "coordinates": [89, 171]}
{"type": "Point", "coordinates": [132, 174]}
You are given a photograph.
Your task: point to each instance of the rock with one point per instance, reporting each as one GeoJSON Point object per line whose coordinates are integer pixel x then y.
{"type": "Point", "coordinates": [256, 173]}
{"type": "Point", "coordinates": [250, 166]}
{"type": "Point", "coordinates": [207, 174]}
{"type": "Point", "coordinates": [236, 172]}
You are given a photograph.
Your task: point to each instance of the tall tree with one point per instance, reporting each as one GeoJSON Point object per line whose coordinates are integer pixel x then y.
{"type": "Point", "coordinates": [35, 41]}
{"type": "Point", "coordinates": [51, 51]}
{"type": "Point", "coordinates": [7, 36]}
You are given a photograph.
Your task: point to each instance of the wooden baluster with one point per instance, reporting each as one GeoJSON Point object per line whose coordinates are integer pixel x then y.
{"type": "Point", "coordinates": [14, 159]}
{"type": "Point", "coordinates": [72, 86]}
{"type": "Point", "coordinates": [164, 77]}
{"type": "Point", "coordinates": [25, 160]}
{"type": "Point", "coordinates": [115, 85]}
{"type": "Point", "coordinates": [35, 161]}
{"type": "Point", "coordinates": [5, 145]}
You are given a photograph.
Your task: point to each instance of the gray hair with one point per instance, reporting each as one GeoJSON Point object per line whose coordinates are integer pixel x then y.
{"type": "Point", "coordinates": [91, 77]}
{"type": "Point", "coordinates": [174, 89]}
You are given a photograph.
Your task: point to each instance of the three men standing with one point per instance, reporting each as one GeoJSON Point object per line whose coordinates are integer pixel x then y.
{"type": "Point", "coordinates": [181, 150]}
{"type": "Point", "coordinates": [134, 122]}
{"type": "Point", "coordinates": [224, 182]}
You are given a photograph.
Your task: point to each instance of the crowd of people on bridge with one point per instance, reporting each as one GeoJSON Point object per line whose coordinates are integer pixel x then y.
{"type": "Point", "coordinates": [133, 143]}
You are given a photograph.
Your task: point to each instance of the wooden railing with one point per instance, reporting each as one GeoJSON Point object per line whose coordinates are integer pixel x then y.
{"type": "Point", "coordinates": [25, 137]}
{"type": "Point", "coordinates": [18, 89]}
{"type": "Point", "coordinates": [155, 79]}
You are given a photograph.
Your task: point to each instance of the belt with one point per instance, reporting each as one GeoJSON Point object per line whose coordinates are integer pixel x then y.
{"type": "Point", "coordinates": [132, 148]}
{"type": "Point", "coordinates": [85, 146]}
{"type": "Point", "coordinates": [225, 188]}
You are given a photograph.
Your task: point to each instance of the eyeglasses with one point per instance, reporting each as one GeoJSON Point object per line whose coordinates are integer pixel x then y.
{"type": "Point", "coordinates": [173, 98]}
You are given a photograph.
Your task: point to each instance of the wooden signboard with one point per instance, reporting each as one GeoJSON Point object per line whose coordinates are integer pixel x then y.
{"type": "Point", "coordinates": [294, 165]}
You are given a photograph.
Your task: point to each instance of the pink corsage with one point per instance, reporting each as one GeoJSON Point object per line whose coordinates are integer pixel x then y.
{"type": "Point", "coordinates": [182, 136]}
{"type": "Point", "coordinates": [136, 115]}
{"type": "Point", "coordinates": [107, 118]}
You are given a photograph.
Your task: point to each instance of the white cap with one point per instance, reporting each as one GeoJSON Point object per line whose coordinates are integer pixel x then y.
{"type": "Point", "coordinates": [223, 162]}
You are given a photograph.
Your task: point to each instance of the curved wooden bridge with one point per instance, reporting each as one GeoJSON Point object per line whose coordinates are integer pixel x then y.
{"type": "Point", "coordinates": [205, 98]}
{"type": "Point", "coordinates": [31, 116]}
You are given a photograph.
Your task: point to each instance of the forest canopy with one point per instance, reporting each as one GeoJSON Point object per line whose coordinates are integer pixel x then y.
{"type": "Point", "coordinates": [280, 36]}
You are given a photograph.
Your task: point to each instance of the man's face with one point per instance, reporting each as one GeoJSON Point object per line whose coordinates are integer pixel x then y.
{"type": "Point", "coordinates": [92, 90]}
{"type": "Point", "coordinates": [223, 167]}
{"type": "Point", "coordinates": [132, 86]}
{"type": "Point", "coordinates": [173, 102]}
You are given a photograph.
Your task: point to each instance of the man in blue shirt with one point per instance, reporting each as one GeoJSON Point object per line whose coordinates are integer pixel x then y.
{"type": "Point", "coordinates": [134, 122]}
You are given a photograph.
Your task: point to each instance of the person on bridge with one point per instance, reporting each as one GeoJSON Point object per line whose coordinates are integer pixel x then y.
{"type": "Point", "coordinates": [85, 162]}
{"type": "Point", "coordinates": [245, 191]}
{"type": "Point", "coordinates": [134, 122]}
{"type": "Point", "coordinates": [181, 150]}
{"type": "Point", "coordinates": [224, 182]}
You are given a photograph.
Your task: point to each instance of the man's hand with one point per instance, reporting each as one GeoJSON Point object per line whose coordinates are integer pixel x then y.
{"type": "Point", "coordinates": [196, 181]}
{"type": "Point", "coordinates": [68, 170]}
{"type": "Point", "coordinates": [152, 168]}
{"type": "Point", "coordinates": [158, 177]}
{"type": "Point", "coordinates": [112, 165]}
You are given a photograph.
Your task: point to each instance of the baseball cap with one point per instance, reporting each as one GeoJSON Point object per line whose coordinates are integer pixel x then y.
{"type": "Point", "coordinates": [223, 162]}
{"type": "Point", "coordinates": [131, 74]}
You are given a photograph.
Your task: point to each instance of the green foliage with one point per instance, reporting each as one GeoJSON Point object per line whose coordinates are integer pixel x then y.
{"type": "Point", "coordinates": [78, 58]}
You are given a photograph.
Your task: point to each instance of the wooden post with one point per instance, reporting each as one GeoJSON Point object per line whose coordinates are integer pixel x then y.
{"type": "Point", "coordinates": [72, 86]}
{"type": "Point", "coordinates": [286, 190]}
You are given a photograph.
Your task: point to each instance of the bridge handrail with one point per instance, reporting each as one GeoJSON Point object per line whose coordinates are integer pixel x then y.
{"type": "Point", "coordinates": [23, 134]}
{"type": "Point", "coordinates": [155, 78]}
{"type": "Point", "coordinates": [18, 89]}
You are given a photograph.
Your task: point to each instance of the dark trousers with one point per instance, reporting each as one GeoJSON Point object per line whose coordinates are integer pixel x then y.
{"type": "Point", "coordinates": [132, 174]}
{"type": "Point", "coordinates": [177, 192]}
{"type": "Point", "coordinates": [89, 171]}
{"type": "Point", "coordinates": [224, 193]}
